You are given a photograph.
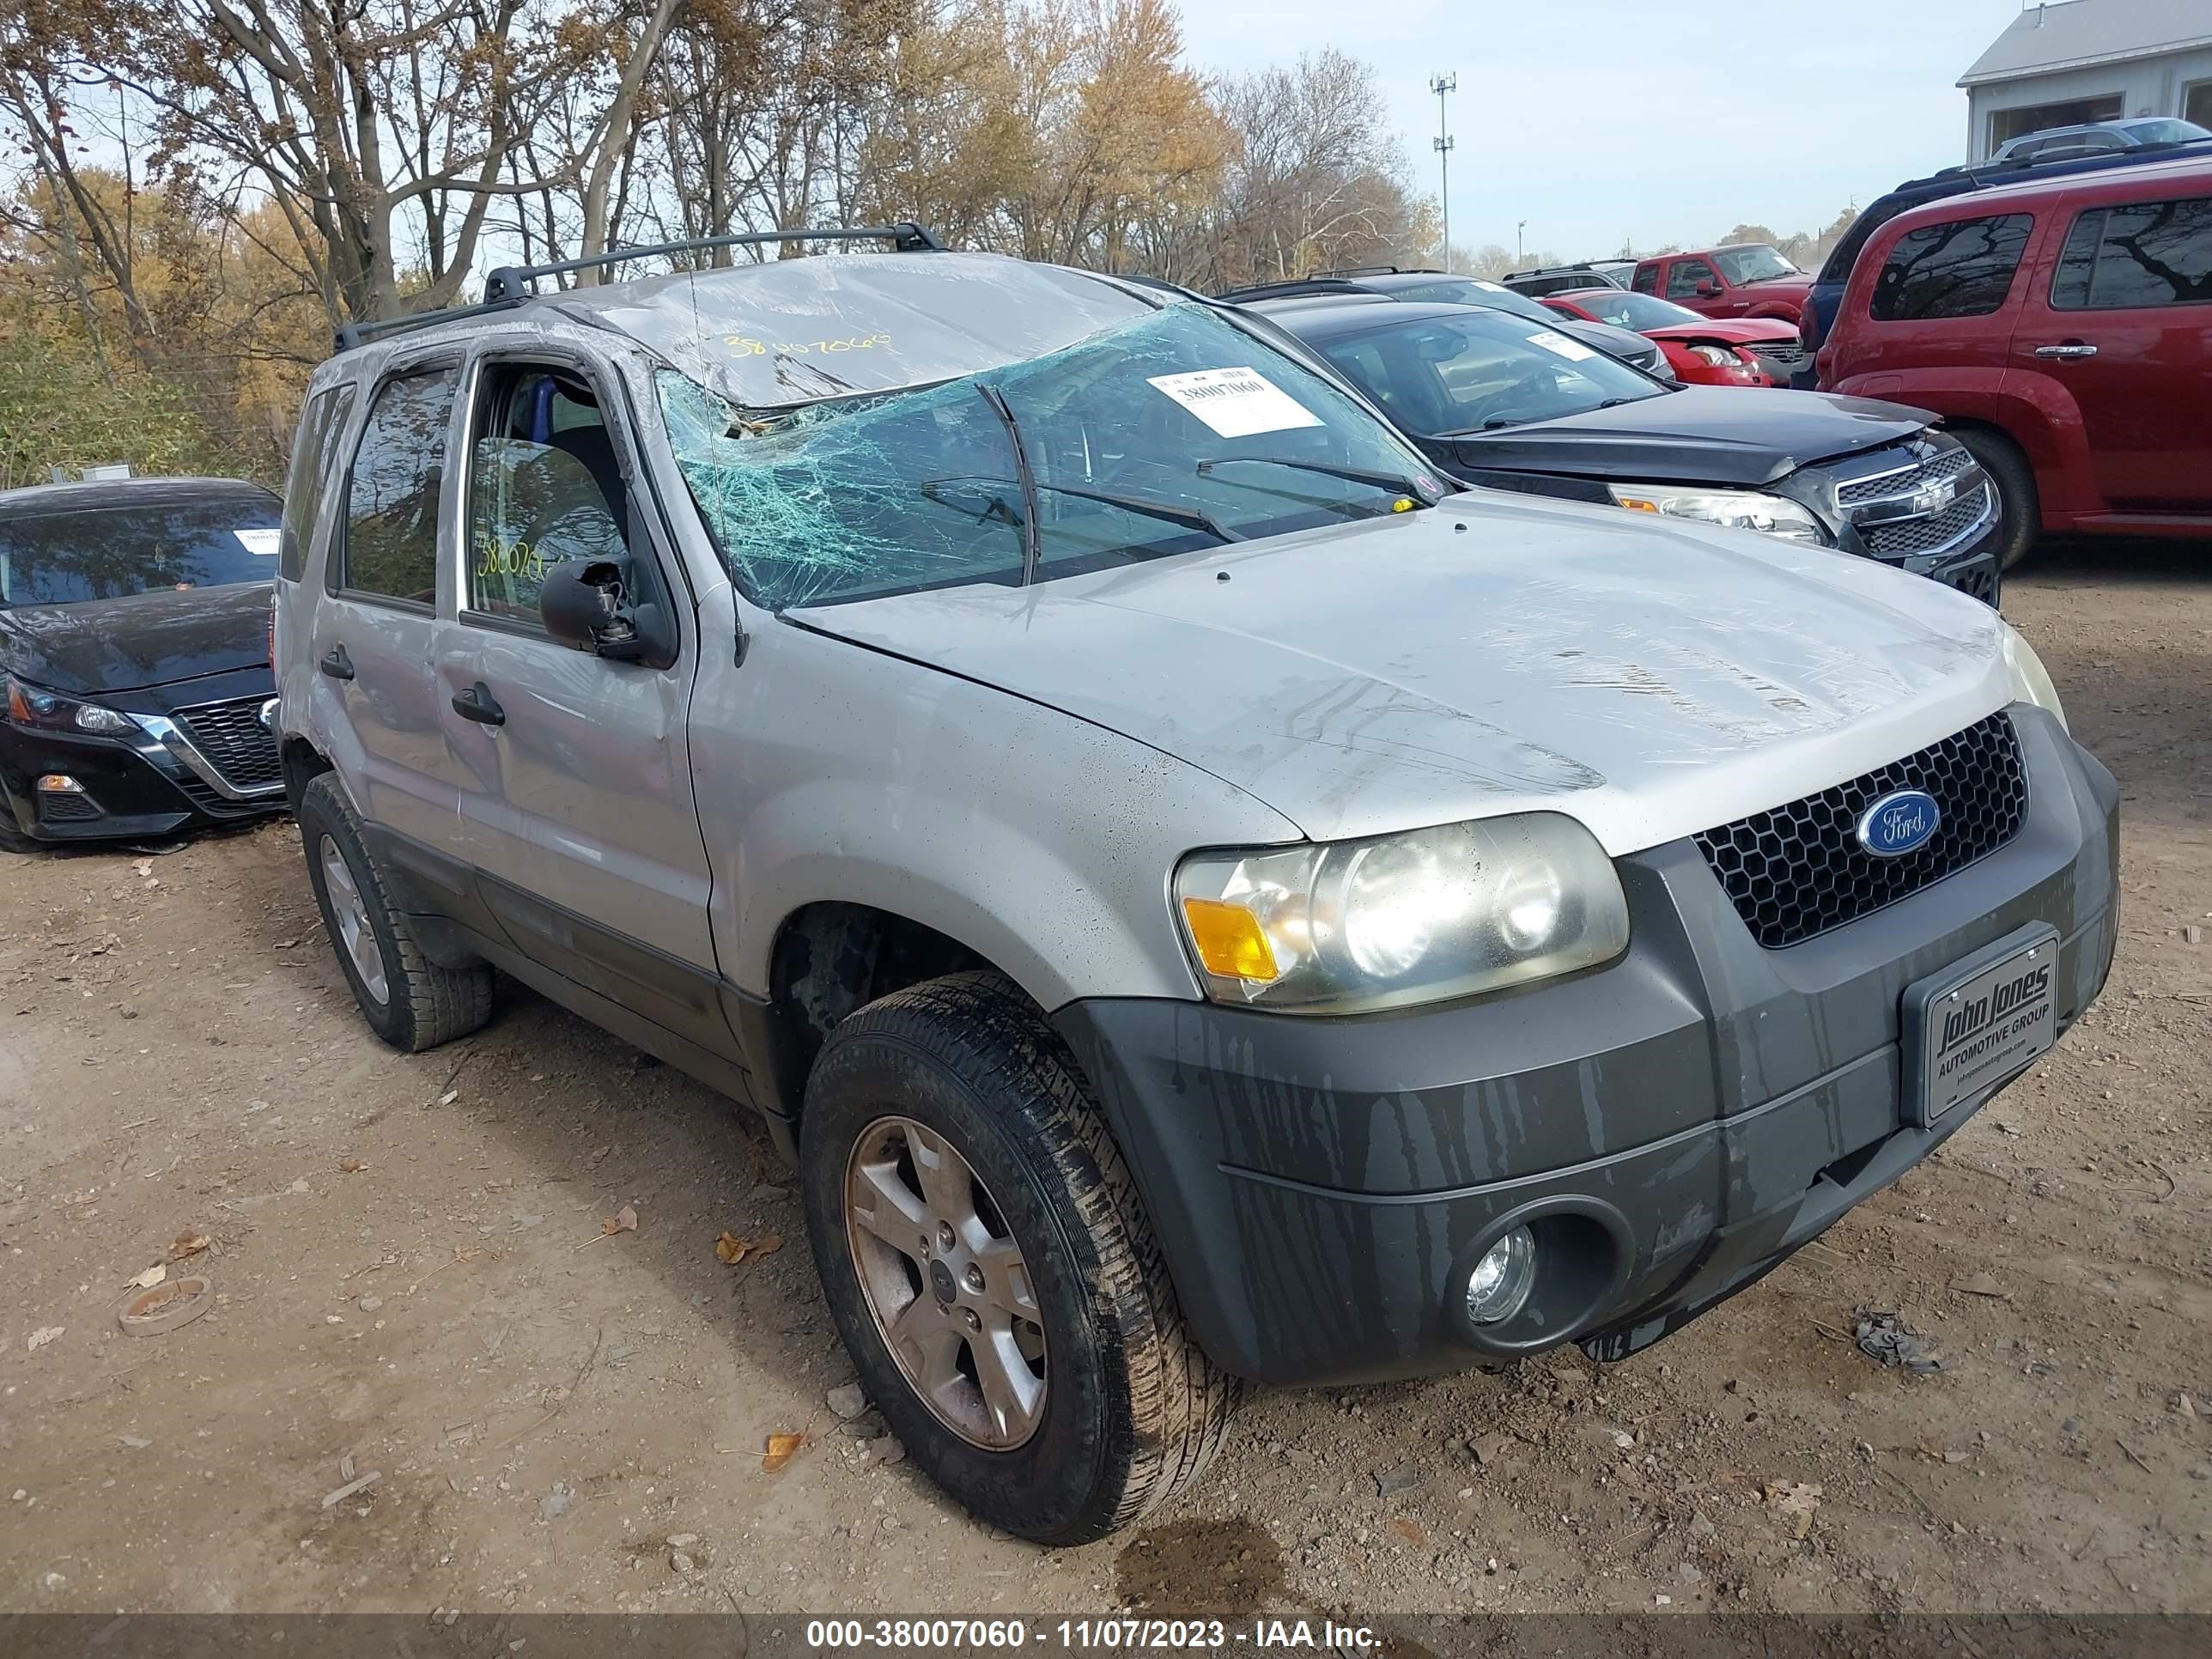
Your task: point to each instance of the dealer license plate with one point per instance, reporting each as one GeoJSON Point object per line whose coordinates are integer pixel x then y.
{"type": "Point", "coordinates": [1980, 1022]}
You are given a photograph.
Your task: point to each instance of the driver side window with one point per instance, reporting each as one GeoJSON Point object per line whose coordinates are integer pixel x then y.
{"type": "Point", "coordinates": [1683, 279]}
{"type": "Point", "coordinates": [545, 487]}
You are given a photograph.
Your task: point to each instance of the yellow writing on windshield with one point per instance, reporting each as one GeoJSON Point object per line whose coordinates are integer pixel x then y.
{"type": "Point", "coordinates": [496, 557]}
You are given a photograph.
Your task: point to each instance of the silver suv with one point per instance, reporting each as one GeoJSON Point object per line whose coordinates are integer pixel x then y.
{"type": "Point", "coordinates": [1199, 898]}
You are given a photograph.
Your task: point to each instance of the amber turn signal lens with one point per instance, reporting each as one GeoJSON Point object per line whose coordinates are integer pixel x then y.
{"type": "Point", "coordinates": [1229, 940]}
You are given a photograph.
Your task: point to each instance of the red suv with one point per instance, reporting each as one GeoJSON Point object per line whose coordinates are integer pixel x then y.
{"type": "Point", "coordinates": [1748, 279]}
{"type": "Point", "coordinates": [2065, 331]}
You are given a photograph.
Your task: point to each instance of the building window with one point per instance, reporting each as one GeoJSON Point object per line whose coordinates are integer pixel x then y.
{"type": "Point", "coordinates": [2196, 103]}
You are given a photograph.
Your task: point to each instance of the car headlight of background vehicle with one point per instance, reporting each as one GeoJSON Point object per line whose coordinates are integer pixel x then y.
{"type": "Point", "coordinates": [1738, 509]}
{"type": "Point", "coordinates": [38, 710]}
{"type": "Point", "coordinates": [1719, 357]}
{"type": "Point", "coordinates": [2031, 681]}
{"type": "Point", "coordinates": [1349, 927]}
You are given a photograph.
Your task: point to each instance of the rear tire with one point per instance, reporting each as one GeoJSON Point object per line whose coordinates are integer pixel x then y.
{"type": "Point", "coordinates": [2019, 511]}
{"type": "Point", "coordinates": [1126, 1410]}
{"type": "Point", "coordinates": [407, 999]}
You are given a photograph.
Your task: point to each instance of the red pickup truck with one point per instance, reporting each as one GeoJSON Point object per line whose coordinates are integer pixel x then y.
{"type": "Point", "coordinates": [1748, 279]}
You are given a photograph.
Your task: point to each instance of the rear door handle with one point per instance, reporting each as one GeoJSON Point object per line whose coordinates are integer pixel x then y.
{"type": "Point", "coordinates": [337, 665]}
{"type": "Point", "coordinates": [477, 704]}
{"type": "Point", "coordinates": [2067, 351]}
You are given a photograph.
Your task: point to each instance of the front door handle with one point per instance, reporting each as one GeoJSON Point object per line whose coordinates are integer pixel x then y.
{"type": "Point", "coordinates": [337, 665]}
{"type": "Point", "coordinates": [477, 704]}
{"type": "Point", "coordinates": [2067, 351]}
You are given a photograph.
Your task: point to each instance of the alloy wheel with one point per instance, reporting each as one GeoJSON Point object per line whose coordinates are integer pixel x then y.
{"type": "Point", "coordinates": [355, 936]}
{"type": "Point", "coordinates": [943, 1275]}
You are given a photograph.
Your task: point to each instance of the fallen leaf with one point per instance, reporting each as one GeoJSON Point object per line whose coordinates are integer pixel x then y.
{"type": "Point", "coordinates": [188, 1243]}
{"type": "Point", "coordinates": [1410, 1531]}
{"type": "Point", "coordinates": [598, 1156]}
{"type": "Point", "coordinates": [352, 1166]}
{"type": "Point", "coordinates": [449, 1097]}
{"type": "Point", "coordinates": [152, 1276]}
{"type": "Point", "coordinates": [43, 1335]}
{"type": "Point", "coordinates": [733, 1250]}
{"type": "Point", "coordinates": [781, 1448]}
{"type": "Point", "coordinates": [623, 1220]}
{"type": "Point", "coordinates": [1981, 1284]}
{"type": "Point", "coordinates": [286, 943]}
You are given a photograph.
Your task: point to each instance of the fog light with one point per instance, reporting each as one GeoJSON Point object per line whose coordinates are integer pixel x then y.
{"type": "Point", "coordinates": [58, 783]}
{"type": "Point", "coordinates": [1500, 1285]}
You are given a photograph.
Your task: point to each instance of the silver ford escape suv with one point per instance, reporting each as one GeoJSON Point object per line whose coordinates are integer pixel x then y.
{"type": "Point", "coordinates": [1201, 899]}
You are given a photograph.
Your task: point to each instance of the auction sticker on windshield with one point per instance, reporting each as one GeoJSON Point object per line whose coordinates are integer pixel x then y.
{"type": "Point", "coordinates": [1573, 351]}
{"type": "Point", "coordinates": [264, 544]}
{"type": "Point", "coordinates": [1236, 403]}
{"type": "Point", "coordinates": [1980, 1021]}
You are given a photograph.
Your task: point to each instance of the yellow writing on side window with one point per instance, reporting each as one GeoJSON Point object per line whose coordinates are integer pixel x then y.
{"type": "Point", "coordinates": [498, 558]}
{"type": "Point", "coordinates": [744, 345]}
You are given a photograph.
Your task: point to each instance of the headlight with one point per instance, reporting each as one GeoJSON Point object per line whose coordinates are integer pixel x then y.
{"type": "Point", "coordinates": [39, 710]}
{"type": "Point", "coordinates": [2030, 680]}
{"type": "Point", "coordinates": [1739, 509]}
{"type": "Point", "coordinates": [1719, 357]}
{"type": "Point", "coordinates": [1352, 925]}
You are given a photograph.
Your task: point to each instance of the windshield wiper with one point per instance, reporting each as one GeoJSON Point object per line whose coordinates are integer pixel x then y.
{"type": "Point", "coordinates": [1190, 517]}
{"type": "Point", "coordinates": [1391, 482]}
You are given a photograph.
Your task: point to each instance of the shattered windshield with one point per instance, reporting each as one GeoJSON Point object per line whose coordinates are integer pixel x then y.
{"type": "Point", "coordinates": [1170, 433]}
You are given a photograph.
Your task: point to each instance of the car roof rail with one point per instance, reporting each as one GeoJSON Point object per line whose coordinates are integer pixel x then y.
{"type": "Point", "coordinates": [509, 283]}
{"type": "Point", "coordinates": [508, 286]}
{"type": "Point", "coordinates": [1291, 285]}
{"type": "Point", "coordinates": [349, 335]}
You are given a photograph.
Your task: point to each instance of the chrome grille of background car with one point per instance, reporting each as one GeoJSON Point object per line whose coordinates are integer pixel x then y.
{"type": "Point", "coordinates": [1783, 354]}
{"type": "Point", "coordinates": [1945, 464]}
{"type": "Point", "coordinates": [234, 740]}
{"type": "Point", "coordinates": [1796, 872]}
{"type": "Point", "coordinates": [1901, 537]}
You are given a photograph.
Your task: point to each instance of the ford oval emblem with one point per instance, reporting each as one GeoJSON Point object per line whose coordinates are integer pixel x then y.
{"type": "Point", "coordinates": [1898, 822]}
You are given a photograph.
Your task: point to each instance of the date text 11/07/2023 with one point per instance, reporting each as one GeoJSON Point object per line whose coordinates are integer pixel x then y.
{"type": "Point", "coordinates": [1008, 1635]}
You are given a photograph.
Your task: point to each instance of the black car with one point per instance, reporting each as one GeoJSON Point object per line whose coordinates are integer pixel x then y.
{"type": "Point", "coordinates": [1539, 280]}
{"type": "Point", "coordinates": [1496, 401]}
{"type": "Point", "coordinates": [134, 654]}
{"type": "Point", "coordinates": [1443, 287]}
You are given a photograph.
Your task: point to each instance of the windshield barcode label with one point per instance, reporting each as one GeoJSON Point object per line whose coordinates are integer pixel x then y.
{"type": "Point", "coordinates": [1236, 403]}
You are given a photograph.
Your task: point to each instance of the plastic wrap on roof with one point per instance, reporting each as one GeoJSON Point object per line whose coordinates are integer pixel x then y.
{"type": "Point", "coordinates": [793, 330]}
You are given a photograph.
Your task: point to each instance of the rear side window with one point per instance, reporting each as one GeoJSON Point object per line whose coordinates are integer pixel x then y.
{"type": "Point", "coordinates": [1646, 279]}
{"type": "Point", "coordinates": [391, 497]}
{"type": "Point", "coordinates": [2145, 254]}
{"type": "Point", "coordinates": [1961, 268]}
{"type": "Point", "coordinates": [320, 423]}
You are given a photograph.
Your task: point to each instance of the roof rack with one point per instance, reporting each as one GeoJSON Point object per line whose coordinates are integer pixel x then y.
{"type": "Point", "coordinates": [1289, 285]}
{"type": "Point", "coordinates": [508, 286]}
{"type": "Point", "coordinates": [1379, 271]}
{"type": "Point", "coordinates": [507, 283]}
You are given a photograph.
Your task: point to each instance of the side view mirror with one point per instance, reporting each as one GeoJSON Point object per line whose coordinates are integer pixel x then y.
{"type": "Point", "coordinates": [1709, 290]}
{"type": "Point", "coordinates": [591, 603]}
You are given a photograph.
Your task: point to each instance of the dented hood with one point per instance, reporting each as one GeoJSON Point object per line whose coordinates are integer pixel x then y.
{"type": "Point", "coordinates": [1494, 654]}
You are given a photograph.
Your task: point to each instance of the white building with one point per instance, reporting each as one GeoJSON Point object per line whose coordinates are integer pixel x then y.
{"type": "Point", "coordinates": [2091, 60]}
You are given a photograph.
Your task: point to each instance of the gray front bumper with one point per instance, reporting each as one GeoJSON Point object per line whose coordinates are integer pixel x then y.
{"type": "Point", "coordinates": [1321, 1186]}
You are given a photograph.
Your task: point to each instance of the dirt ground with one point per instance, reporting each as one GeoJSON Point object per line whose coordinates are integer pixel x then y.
{"type": "Point", "coordinates": [411, 1282]}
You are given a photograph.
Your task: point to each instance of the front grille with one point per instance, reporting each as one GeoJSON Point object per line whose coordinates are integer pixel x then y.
{"type": "Point", "coordinates": [1783, 354]}
{"type": "Point", "coordinates": [1796, 872]}
{"type": "Point", "coordinates": [213, 802]}
{"type": "Point", "coordinates": [1901, 537]}
{"type": "Point", "coordinates": [236, 744]}
{"type": "Point", "coordinates": [1945, 464]}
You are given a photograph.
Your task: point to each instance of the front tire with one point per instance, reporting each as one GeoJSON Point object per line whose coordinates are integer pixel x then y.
{"type": "Point", "coordinates": [991, 1269]}
{"type": "Point", "coordinates": [407, 999]}
{"type": "Point", "coordinates": [2019, 510]}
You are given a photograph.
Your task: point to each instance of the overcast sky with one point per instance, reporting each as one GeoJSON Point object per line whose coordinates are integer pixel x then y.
{"type": "Point", "coordinates": [1655, 120]}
